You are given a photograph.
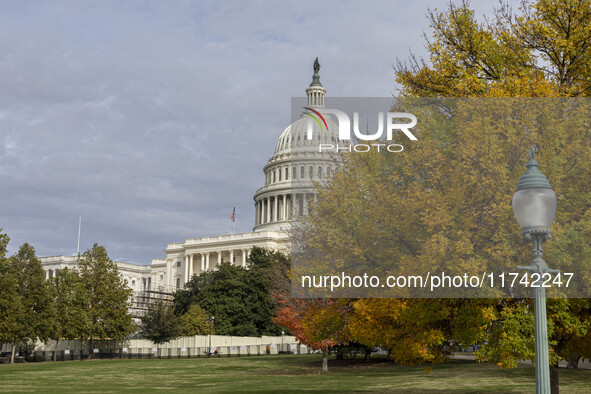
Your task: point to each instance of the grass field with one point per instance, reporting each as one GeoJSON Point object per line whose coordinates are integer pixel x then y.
{"type": "Point", "coordinates": [278, 373]}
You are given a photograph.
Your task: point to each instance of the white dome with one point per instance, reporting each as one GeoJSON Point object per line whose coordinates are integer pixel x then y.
{"type": "Point", "coordinates": [295, 136]}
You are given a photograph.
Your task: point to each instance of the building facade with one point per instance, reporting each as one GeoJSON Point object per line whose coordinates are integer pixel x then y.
{"type": "Point", "coordinates": [290, 175]}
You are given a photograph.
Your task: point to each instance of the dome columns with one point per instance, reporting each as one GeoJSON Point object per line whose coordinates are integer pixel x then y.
{"type": "Point", "coordinates": [273, 209]}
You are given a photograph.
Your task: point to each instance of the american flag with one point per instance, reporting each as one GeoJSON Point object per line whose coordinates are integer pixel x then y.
{"type": "Point", "coordinates": [233, 217]}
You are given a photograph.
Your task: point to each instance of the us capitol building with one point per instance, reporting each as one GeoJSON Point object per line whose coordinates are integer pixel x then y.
{"type": "Point", "coordinates": [289, 187]}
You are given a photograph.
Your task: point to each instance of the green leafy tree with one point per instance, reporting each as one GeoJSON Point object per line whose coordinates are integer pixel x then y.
{"type": "Point", "coordinates": [72, 318]}
{"type": "Point", "coordinates": [194, 322]}
{"type": "Point", "coordinates": [10, 299]}
{"type": "Point", "coordinates": [239, 299]}
{"type": "Point", "coordinates": [160, 324]}
{"type": "Point", "coordinates": [37, 308]}
{"type": "Point", "coordinates": [107, 297]}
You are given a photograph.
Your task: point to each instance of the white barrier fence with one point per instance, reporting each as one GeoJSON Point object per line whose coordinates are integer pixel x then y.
{"type": "Point", "coordinates": [195, 346]}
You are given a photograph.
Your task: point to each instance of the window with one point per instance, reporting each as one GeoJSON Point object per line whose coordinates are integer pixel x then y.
{"type": "Point", "coordinates": [273, 176]}
{"type": "Point", "coordinates": [302, 173]}
{"type": "Point", "coordinates": [161, 277]}
{"type": "Point", "coordinates": [319, 172]}
{"type": "Point", "coordinates": [178, 283]}
{"type": "Point", "coordinates": [280, 175]}
{"type": "Point", "coordinates": [311, 172]}
{"type": "Point", "coordinates": [178, 263]}
{"type": "Point", "coordinates": [287, 174]}
{"type": "Point", "coordinates": [294, 174]}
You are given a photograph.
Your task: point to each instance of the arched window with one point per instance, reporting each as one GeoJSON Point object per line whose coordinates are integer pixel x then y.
{"type": "Point", "coordinates": [280, 175]}
{"type": "Point", "coordinates": [302, 173]}
{"type": "Point", "coordinates": [319, 172]}
{"type": "Point", "coordinates": [287, 173]}
{"type": "Point", "coordinates": [294, 173]}
{"type": "Point", "coordinates": [273, 176]}
{"type": "Point", "coordinates": [311, 172]}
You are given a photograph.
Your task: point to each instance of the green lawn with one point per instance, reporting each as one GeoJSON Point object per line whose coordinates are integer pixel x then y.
{"type": "Point", "coordinates": [271, 373]}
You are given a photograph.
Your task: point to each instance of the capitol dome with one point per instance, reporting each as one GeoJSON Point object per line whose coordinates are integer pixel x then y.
{"type": "Point", "coordinates": [296, 165]}
{"type": "Point", "coordinates": [295, 138]}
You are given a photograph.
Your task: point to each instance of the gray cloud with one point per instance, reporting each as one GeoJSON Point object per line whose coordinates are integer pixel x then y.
{"type": "Point", "coordinates": [152, 120]}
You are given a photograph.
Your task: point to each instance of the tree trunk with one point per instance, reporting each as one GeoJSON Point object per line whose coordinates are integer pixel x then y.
{"type": "Point", "coordinates": [55, 351]}
{"type": "Point", "coordinates": [12, 353]}
{"type": "Point", "coordinates": [574, 362]}
{"type": "Point", "coordinates": [554, 378]}
{"type": "Point", "coordinates": [325, 359]}
{"type": "Point", "coordinates": [90, 350]}
{"type": "Point", "coordinates": [367, 354]}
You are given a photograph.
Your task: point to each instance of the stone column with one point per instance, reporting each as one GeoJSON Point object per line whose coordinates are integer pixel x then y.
{"type": "Point", "coordinates": [268, 218]}
{"type": "Point", "coordinates": [304, 204]}
{"type": "Point", "coordinates": [232, 256]}
{"type": "Point", "coordinates": [244, 257]}
{"type": "Point", "coordinates": [219, 258]}
{"type": "Point", "coordinates": [191, 265]}
{"type": "Point", "coordinates": [168, 273]}
{"type": "Point", "coordinates": [275, 209]}
{"type": "Point", "coordinates": [284, 207]}
{"type": "Point", "coordinates": [207, 261]}
{"type": "Point", "coordinates": [202, 262]}
{"type": "Point", "coordinates": [187, 268]}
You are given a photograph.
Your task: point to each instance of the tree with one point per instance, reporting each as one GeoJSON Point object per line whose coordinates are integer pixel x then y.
{"type": "Point", "coordinates": [160, 324]}
{"type": "Point", "coordinates": [194, 322]}
{"type": "Point", "coordinates": [318, 323]}
{"type": "Point", "coordinates": [72, 320]}
{"type": "Point", "coordinates": [542, 51]}
{"type": "Point", "coordinates": [10, 301]}
{"type": "Point", "coordinates": [35, 316]}
{"type": "Point", "coordinates": [238, 298]}
{"type": "Point", "coordinates": [107, 297]}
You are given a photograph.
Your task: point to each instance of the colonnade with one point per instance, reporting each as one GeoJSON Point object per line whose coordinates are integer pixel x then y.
{"type": "Point", "coordinates": [210, 260]}
{"type": "Point", "coordinates": [281, 207]}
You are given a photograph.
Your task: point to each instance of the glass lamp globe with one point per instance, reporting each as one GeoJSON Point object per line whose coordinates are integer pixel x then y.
{"type": "Point", "coordinates": [535, 207]}
{"type": "Point", "coordinates": [534, 202]}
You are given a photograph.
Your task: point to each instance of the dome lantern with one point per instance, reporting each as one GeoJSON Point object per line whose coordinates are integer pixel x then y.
{"type": "Point", "coordinates": [316, 92]}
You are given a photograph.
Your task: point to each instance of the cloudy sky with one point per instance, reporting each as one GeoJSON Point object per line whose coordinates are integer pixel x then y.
{"type": "Point", "coordinates": [152, 119]}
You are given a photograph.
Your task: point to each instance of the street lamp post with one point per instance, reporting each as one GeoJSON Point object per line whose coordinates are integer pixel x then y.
{"type": "Point", "coordinates": [534, 205]}
{"type": "Point", "coordinates": [282, 334]}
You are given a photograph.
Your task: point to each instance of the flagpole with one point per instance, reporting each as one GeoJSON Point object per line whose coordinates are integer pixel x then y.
{"type": "Point", "coordinates": [78, 247]}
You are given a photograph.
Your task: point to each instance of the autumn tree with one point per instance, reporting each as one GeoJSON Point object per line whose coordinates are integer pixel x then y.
{"type": "Point", "coordinates": [445, 202]}
{"type": "Point", "coordinates": [540, 51]}
{"type": "Point", "coordinates": [317, 323]}
{"type": "Point", "coordinates": [194, 322]}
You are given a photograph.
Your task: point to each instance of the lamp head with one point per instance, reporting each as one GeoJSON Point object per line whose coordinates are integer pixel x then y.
{"type": "Point", "coordinates": [534, 201]}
